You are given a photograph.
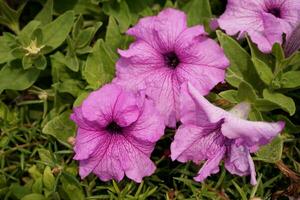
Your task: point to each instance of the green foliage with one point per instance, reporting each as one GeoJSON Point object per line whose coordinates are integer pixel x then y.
{"type": "Point", "coordinates": [53, 53]}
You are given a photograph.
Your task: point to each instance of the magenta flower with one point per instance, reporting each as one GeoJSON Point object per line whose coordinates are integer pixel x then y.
{"type": "Point", "coordinates": [212, 134]}
{"type": "Point", "coordinates": [165, 54]}
{"type": "Point", "coordinates": [264, 21]}
{"type": "Point", "coordinates": [117, 131]}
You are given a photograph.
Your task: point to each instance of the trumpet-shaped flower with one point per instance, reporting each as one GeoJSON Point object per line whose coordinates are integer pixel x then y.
{"type": "Point", "coordinates": [264, 21]}
{"type": "Point", "coordinates": [212, 134]}
{"type": "Point", "coordinates": [117, 131]}
{"type": "Point", "coordinates": [167, 53]}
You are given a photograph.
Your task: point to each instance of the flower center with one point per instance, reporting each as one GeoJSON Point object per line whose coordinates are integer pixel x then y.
{"type": "Point", "coordinates": [171, 59]}
{"type": "Point", "coordinates": [114, 128]}
{"type": "Point", "coordinates": [275, 11]}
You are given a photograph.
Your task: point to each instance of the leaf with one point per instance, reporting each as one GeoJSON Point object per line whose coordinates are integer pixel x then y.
{"type": "Point", "coordinates": [277, 51]}
{"type": "Point", "coordinates": [48, 178]}
{"type": "Point", "coordinates": [271, 152]}
{"type": "Point", "coordinates": [71, 187]}
{"type": "Point", "coordinates": [10, 17]}
{"type": "Point", "coordinates": [34, 172]}
{"type": "Point", "coordinates": [113, 35]}
{"type": "Point", "coordinates": [85, 36]}
{"type": "Point", "coordinates": [67, 61]}
{"type": "Point", "coordinates": [22, 79]}
{"type": "Point", "coordinates": [264, 105]}
{"type": "Point", "coordinates": [100, 65]}
{"type": "Point", "coordinates": [60, 127]}
{"type": "Point", "coordinates": [241, 67]}
{"type": "Point", "coordinates": [285, 103]}
{"type": "Point", "coordinates": [290, 79]}
{"type": "Point", "coordinates": [263, 70]}
{"type": "Point", "coordinates": [71, 86]}
{"type": "Point", "coordinates": [27, 31]}
{"type": "Point", "coordinates": [45, 15]}
{"type": "Point", "coordinates": [80, 99]}
{"type": "Point", "coordinates": [230, 95]}
{"type": "Point", "coordinates": [55, 33]}
{"type": "Point", "coordinates": [256, 53]}
{"type": "Point", "coordinates": [5, 49]}
{"type": "Point", "coordinates": [34, 196]}
{"type": "Point", "coordinates": [198, 11]}
{"type": "Point", "coordinates": [121, 13]}
{"type": "Point", "coordinates": [246, 92]}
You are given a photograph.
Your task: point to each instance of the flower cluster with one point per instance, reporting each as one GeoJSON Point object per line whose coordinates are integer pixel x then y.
{"type": "Point", "coordinates": [161, 80]}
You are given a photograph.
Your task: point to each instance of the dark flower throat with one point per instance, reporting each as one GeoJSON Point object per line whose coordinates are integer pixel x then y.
{"type": "Point", "coordinates": [275, 11]}
{"type": "Point", "coordinates": [114, 128]}
{"type": "Point", "coordinates": [171, 59]}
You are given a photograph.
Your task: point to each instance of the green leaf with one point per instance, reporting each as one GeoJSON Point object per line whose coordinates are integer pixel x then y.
{"type": "Point", "coordinates": [286, 103]}
{"type": "Point", "coordinates": [80, 99]}
{"type": "Point", "coordinates": [34, 196]}
{"type": "Point", "coordinates": [121, 13]}
{"type": "Point", "coordinates": [34, 172]}
{"type": "Point", "coordinates": [113, 34]}
{"type": "Point", "coordinates": [256, 53]}
{"type": "Point", "coordinates": [263, 70]}
{"type": "Point", "coordinates": [61, 127]}
{"type": "Point", "coordinates": [5, 50]}
{"type": "Point", "coordinates": [70, 61]}
{"type": "Point", "coordinates": [22, 79]}
{"type": "Point", "coordinates": [27, 31]}
{"type": "Point", "coordinates": [37, 186]}
{"type": "Point", "coordinates": [246, 92]}
{"type": "Point", "coordinates": [71, 187]}
{"type": "Point", "coordinates": [230, 95]}
{"type": "Point", "coordinates": [264, 105]}
{"type": "Point", "coordinates": [71, 86]}
{"type": "Point", "coordinates": [10, 17]}
{"type": "Point", "coordinates": [45, 15]}
{"type": "Point", "coordinates": [290, 79]}
{"type": "Point", "coordinates": [271, 152]}
{"type": "Point", "coordinates": [198, 12]}
{"type": "Point", "coordinates": [277, 51]}
{"type": "Point", "coordinates": [55, 33]}
{"type": "Point", "coordinates": [241, 67]}
{"type": "Point", "coordinates": [85, 36]}
{"type": "Point", "coordinates": [100, 65]}
{"type": "Point", "coordinates": [48, 178]}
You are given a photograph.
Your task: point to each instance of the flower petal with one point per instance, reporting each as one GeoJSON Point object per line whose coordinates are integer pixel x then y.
{"type": "Point", "coordinates": [87, 142]}
{"type": "Point", "coordinates": [160, 31]}
{"type": "Point", "coordinates": [239, 162]}
{"type": "Point", "coordinates": [196, 143]}
{"type": "Point", "coordinates": [206, 111]}
{"type": "Point", "coordinates": [150, 124]}
{"type": "Point", "coordinates": [241, 16]}
{"type": "Point", "coordinates": [251, 133]}
{"type": "Point", "coordinates": [98, 108]}
{"type": "Point", "coordinates": [135, 159]}
{"type": "Point", "coordinates": [211, 166]}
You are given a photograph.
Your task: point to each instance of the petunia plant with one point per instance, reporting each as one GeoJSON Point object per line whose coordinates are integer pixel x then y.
{"type": "Point", "coordinates": [151, 99]}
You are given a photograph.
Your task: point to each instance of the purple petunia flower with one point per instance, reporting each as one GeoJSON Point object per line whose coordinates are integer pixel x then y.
{"type": "Point", "coordinates": [117, 131]}
{"type": "Point", "coordinates": [264, 21]}
{"type": "Point", "coordinates": [212, 134]}
{"type": "Point", "coordinates": [167, 53]}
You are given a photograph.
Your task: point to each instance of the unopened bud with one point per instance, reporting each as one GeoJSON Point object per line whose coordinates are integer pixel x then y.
{"type": "Point", "coordinates": [71, 140]}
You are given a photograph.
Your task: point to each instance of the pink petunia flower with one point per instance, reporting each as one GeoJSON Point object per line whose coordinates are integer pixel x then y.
{"type": "Point", "coordinates": [167, 53]}
{"type": "Point", "coordinates": [117, 131]}
{"type": "Point", "coordinates": [212, 134]}
{"type": "Point", "coordinates": [264, 21]}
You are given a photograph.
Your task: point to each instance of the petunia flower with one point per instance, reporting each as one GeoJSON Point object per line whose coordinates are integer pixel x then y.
{"type": "Point", "coordinates": [167, 53]}
{"type": "Point", "coordinates": [117, 131]}
{"type": "Point", "coordinates": [264, 21]}
{"type": "Point", "coordinates": [211, 134]}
